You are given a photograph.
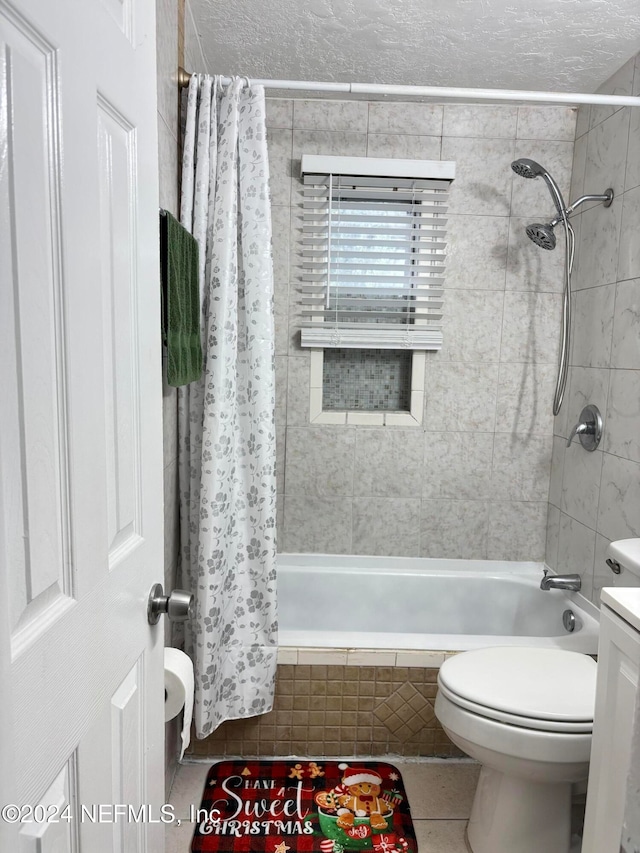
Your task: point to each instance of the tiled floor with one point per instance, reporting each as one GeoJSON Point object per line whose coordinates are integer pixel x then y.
{"type": "Point", "coordinates": [440, 794]}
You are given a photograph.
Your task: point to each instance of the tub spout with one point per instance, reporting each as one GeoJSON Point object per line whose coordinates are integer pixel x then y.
{"type": "Point", "coordinates": [571, 582]}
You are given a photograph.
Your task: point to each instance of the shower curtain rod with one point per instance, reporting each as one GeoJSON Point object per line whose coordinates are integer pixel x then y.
{"type": "Point", "coordinates": [569, 98]}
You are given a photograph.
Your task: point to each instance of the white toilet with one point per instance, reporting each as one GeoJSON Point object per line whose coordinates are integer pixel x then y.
{"type": "Point", "coordinates": [526, 714]}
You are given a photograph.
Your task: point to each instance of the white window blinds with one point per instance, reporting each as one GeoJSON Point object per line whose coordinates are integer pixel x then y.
{"type": "Point", "coordinates": [373, 250]}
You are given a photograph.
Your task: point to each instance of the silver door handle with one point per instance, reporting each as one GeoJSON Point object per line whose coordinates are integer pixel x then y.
{"type": "Point", "coordinates": [178, 605]}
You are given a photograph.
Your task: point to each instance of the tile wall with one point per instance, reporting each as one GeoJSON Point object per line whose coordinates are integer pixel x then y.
{"type": "Point", "coordinates": [473, 480]}
{"type": "Point", "coordinates": [595, 497]}
{"type": "Point", "coordinates": [340, 710]}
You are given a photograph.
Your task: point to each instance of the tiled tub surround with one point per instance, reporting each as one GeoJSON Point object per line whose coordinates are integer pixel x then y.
{"type": "Point", "coordinates": [595, 497]}
{"type": "Point", "coordinates": [332, 710]}
{"type": "Point", "coordinates": [472, 480]}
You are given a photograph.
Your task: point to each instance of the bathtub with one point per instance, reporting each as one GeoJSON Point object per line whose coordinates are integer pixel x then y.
{"type": "Point", "coordinates": [329, 602]}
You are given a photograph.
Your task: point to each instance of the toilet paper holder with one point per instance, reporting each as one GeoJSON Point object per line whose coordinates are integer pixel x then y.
{"type": "Point", "coordinates": [178, 605]}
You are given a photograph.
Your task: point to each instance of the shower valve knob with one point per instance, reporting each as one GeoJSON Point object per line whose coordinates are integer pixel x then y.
{"type": "Point", "coordinates": [588, 429]}
{"type": "Point", "coordinates": [178, 605]}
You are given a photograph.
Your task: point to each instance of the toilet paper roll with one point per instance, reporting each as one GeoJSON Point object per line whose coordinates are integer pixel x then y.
{"type": "Point", "coordinates": [179, 686]}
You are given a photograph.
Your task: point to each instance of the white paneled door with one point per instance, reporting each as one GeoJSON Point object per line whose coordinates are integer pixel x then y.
{"type": "Point", "coordinates": [81, 701]}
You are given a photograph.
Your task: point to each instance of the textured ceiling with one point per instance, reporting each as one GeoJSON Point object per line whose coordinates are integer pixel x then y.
{"type": "Point", "coordinates": [563, 45]}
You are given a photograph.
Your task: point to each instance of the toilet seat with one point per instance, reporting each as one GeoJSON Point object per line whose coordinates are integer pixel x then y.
{"type": "Point", "coordinates": [578, 727]}
{"type": "Point", "coordinates": [550, 690]}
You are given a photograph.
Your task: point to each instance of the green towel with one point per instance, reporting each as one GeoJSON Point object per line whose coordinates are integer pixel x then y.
{"type": "Point", "coordinates": [181, 301]}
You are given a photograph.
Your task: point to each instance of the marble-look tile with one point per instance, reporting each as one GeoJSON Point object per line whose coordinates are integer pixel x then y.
{"type": "Point", "coordinates": [187, 788]}
{"type": "Point", "coordinates": [320, 461]}
{"type": "Point", "coordinates": [281, 452]}
{"type": "Point", "coordinates": [619, 511]}
{"type": "Point", "coordinates": [625, 349]}
{"type": "Point", "coordinates": [629, 262]}
{"type": "Point", "coordinates": [557, 469]}
{"type": "Point", "coordinates": [389, 463]}
{"type": "Point", "coordinates": [531, 327]}
{"type": "Point", "coordinates": [298, 392]}
{"type": "Point", "coordinates": [441, 836]}
{"type": "Point", "coordinates": [592, 326]}
{"type": "Point", "coordinates": [525, 398]}
{"type": "Point", "coordinates": [588, 385]}
{"type": "Point", "coordinates": [419, 119]}
{"type": "Point", "coordinates": [622, 430]}
{"type": "Point", "coordinates": [279, 112]}
{"type": "Point", "coordinates": [483, 175]}
{"type": "Point", "coordinates": [282, 364]}
{"type": "Point", "coordinates": [607, 154]}
{"type": "Point", "coordinates": [454, 529]}
{"type": "Point", "coordinates": [168, 168]}
{"type": "Point", "coordinates": [560, 421]}
{"type": "Point", "coordinates": [597, 248]}
{"type": "Point", "coordinates": [171, 515]}
{"type": "Point", "coordinates": [521, 467]}
{"type": "Point", "coordinates": [531, 198]}
{"type": "Point", "coordinates": [581, 483]}
{"type": "Point", "coordinates": [578, 169]}
{"type": "Point", "coordinates": [317, 525]}
{"type": "Point", "coordinates": [528, 266]}
{"type": "Point", "coordinates": [517, 530]}
{"type": "Point", "coordinates": [477, 252]}
{"type": "Point", "coordinates": [576, 551]}
{"type": "Point", "coordinates": [281, 316]}
{"type": "Point", "coordinates": [460, 397]}
{"type": "Point", "coordinates": [167, 58]}
{"type": "Point", "coordinates": [440, 790]}
{"type": "Point", "coordinates": [632, 176]}
{"type": "Point", "coordinates": [457, 465]}
{"type": "Point", "coordinates": [583, 120]}
{"type": "Point", "coordinates": [281, 231]}
{"type": "Point", "coordinates": [620, 83]}
{"type": "Point", "coordinates": [403, 146]}
{"type": "Point", "coordinates": [279, 142]}
{"type": "Point", "coordinates": [318, 114]}
{"type": "Point", "coordinates": [553, 534]}
{"type": "Point", "coordinates": [480, 121]}
{"type": "Point", "coordinates": [557, 123]}
{"type": "Point", "coordinates": [386, 527]}
{"type": "Point", "coordinates": [339, 143]}
{"type": "Point", "coordinates": [471, 325]}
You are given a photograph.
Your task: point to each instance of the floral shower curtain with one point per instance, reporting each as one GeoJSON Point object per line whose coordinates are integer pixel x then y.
{"type": "Point", "coordinates": [226, 420]}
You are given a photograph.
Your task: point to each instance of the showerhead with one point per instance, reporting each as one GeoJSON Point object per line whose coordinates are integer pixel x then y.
{"type": "Point", "coordinates": [542, 235]}
{"type": "Point", "coordinates": [530, 169]}
{"type": "Point", "coordinates": [527, 168]}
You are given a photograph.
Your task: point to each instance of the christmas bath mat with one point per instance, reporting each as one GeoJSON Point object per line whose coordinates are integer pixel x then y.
{"type": "Point", "coordinates": [295, 806]}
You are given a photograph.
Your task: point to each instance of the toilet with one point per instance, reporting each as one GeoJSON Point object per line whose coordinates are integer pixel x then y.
{"type": "Point", "coordinates": [526, 714]}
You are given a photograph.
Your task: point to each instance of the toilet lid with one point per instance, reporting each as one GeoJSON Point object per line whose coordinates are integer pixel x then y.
{"type": "Point", "coordinates": [540, 684]}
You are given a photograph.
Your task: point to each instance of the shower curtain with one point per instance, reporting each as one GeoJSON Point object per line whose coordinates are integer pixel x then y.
{"type": "Point", "coordinates": [226, 419]}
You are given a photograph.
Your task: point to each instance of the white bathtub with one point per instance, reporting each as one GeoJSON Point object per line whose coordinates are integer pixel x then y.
{"type": "Point", "coordinates": [420, 604]}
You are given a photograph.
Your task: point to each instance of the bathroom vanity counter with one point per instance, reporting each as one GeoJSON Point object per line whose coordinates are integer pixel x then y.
{"type": "Point", "coordinates": [625, 601]}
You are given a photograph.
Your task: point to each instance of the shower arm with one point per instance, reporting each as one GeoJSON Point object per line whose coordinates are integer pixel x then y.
{"type": "Point", "coordinates": [606, 198]}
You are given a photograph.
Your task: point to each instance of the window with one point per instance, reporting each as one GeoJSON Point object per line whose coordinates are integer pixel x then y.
{"type": "Point", "coordinates": [373, 253]}
{"type": "Point", "coordinates": [372, 277]}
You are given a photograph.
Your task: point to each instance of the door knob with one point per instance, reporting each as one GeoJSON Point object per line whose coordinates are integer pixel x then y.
{"type": "Point", "coordinates": [178, 605]}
